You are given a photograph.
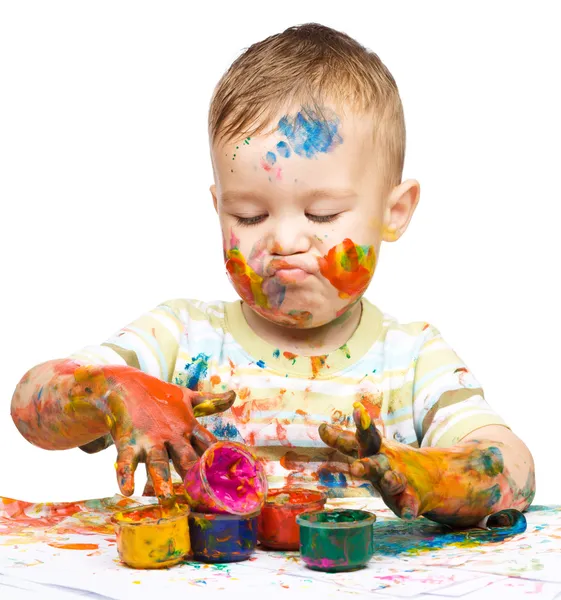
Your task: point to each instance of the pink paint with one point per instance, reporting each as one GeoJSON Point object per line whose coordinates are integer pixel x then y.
{"type": "Point", "coordinates": [226, 479]}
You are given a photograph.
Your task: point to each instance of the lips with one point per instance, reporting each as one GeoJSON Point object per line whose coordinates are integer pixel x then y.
{"type": "Point", "coordinates": [297, 264]}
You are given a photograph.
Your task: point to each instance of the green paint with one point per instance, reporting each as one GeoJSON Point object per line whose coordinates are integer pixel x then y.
{"type": "Point", "coordinates": [344, 348]}
{"type": "Point", "coordinates": [337, 540]}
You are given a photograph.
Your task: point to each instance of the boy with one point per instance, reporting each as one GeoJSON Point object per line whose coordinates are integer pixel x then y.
{"type": "Point", "coordinates": [307, 138]}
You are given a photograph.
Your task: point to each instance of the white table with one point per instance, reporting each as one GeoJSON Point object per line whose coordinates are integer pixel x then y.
{"type": "Point", "coordinates": [410, 562]}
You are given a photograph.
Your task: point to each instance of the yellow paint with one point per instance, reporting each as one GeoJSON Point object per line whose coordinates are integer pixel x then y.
{"type": "Point", "coordinates": [390, 234]}
{"type": "Point", "coordinates": [152, 543]}
{"type": "Point", "coordinates": [208, 407]}
{"type": "Point", "coordinates": [365, 420]}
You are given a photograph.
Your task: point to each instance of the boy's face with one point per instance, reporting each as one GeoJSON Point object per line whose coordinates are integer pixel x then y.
{"type": "Point", "coordinates": [303, 213]}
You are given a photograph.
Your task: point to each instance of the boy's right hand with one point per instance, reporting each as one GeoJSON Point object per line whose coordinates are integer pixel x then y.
{"type": "Point", "coordinates": [150, 421]}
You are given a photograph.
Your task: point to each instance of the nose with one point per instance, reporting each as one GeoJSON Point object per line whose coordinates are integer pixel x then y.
{"type": "Point", "coordinates": [289, 237]}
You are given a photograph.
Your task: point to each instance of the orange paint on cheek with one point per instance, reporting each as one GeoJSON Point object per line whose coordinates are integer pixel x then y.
{"type": "Point", "coordinates": [349, 268]}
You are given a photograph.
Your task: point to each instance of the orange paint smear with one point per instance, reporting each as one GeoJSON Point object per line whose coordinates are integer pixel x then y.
{"type": "Point", "coordinates": [290, 356]}
{"type": "Point", "coordinates": [317, 362]}
{"type": "Point", "coordinates": [348, 267]}
{"type": "Point", "coordinates": [75, 546]}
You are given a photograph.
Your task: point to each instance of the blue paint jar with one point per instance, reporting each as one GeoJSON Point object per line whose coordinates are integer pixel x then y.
{"type": "Point", "coordinates": [219, 538]}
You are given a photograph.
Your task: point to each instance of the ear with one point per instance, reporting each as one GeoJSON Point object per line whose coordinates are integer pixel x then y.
{"type": "Point", "coordinates": [400, 206]}
{"type": "Point", "coordinates": [214, 199]}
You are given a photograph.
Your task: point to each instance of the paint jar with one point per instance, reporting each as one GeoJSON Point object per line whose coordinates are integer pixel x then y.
{"type": "Point", "coordinates": [222, 538]}
{"type": "Point", "coordinates": [152, 537]}
{"type": "Point", "coordinates": [277, 522]}
{"type": "Point", "coordinates": [227, 479]}
{"type": "Point", "coordinates": [336, 540]}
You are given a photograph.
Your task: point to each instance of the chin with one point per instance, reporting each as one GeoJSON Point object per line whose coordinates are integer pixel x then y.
{"type": "Point", "coordinates": [297, 317]}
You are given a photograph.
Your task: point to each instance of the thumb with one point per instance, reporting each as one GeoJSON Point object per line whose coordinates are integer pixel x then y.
{"type": "Point", "coordinates": [368, 437]}
{"type": "Point", "coordinates": [207, 403]}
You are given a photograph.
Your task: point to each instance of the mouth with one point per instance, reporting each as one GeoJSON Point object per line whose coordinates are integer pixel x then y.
{"type": "Point", "coordinates": [288, 272]}
{"type": "Point", "coordinates": [292, 275]}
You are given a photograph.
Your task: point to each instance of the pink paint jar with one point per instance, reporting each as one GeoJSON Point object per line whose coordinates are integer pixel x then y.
{"type": "Point", "coordinates": [226, 479]}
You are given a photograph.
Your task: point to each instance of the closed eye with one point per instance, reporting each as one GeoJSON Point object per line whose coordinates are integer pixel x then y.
{"type": "Point", "coordinates": [323, 218]}
{"type": "Point", "coordinates": [248, 221]}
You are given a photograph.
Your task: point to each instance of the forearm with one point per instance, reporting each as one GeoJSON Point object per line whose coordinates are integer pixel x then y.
{"type": "Point", "coordinates": [53, 411]}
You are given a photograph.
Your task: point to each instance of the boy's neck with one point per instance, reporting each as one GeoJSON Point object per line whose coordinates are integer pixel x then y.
{"type": "Point", "coordinates": [306, 342]}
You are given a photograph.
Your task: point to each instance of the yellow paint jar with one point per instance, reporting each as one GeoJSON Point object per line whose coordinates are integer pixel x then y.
{"type": "Point", "coordinates": [152, 537]}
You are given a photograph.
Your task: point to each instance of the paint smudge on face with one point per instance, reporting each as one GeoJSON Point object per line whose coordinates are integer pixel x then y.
{"type": "Point", "coordinates": [283, 149]}
{"type": "Point", "coordinates": [268, 165]}
{"type": "Point", "coordinates": [309, 133]}
{"type": "Point", "coordinates": [349, 268]}
{"type": "Point", "coordinates": [246, 277]}
{"type": "Point", "coordinates": [318, 363]}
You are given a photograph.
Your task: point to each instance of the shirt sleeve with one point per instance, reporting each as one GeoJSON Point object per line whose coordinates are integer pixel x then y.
{"type": "Point", "coordinates": [150, 344]}
{"type": "Point", "coordinates": [448, 402]}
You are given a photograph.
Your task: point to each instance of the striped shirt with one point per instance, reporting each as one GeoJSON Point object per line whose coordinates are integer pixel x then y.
{"type": "Point", "coordinates": [423, 393]}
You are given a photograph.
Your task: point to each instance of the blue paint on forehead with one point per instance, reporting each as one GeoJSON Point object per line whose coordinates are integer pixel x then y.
{"type": "Point", "coordinates": [283, 149]}
{"type": "Point", "coordinates": [310, 134]}
{"type": "Point", "coordinates": [271, 158]}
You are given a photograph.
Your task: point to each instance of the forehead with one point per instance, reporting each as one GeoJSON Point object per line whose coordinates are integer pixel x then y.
{"type": "Point", "coordinates": [311, 145]}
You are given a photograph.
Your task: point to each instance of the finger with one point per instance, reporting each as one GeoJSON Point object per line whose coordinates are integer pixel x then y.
{"type": "Point", "coordinates": [205, 404]}
{"type": "Point", "coordinates": [392, 483]}
{"type": "Point", "coordinates": [408, 505]}
{"type": "Point", "coordinates": [148, 488]}
{"type": "Point", "coordinates": [344, 441]}
{"type": "Point", "coordinates": [127, 461]}
{"type": "Point", "coordinates": [201, 438]}
{"type": "Point", "coordinates": [157, 466]}
{"type": "Point", "coordinates": [369, 439]}
{"type": "Point", "coordinates": [372, 468]}
{"type": "Point", "coordinates": [182, 455]}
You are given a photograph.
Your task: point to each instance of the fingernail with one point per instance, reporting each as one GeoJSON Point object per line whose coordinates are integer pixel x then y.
{"type": "Point", "coordinates": [358, 470]}
{"type": "Point", "coordinates": [408, 514]}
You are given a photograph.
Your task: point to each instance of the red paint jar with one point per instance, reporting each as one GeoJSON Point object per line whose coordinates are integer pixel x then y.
{"type": "Point", "coordinates": [277, 522]}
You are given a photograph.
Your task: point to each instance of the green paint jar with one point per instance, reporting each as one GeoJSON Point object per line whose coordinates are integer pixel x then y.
{"type": "Point", "coordinates": [336, 540]}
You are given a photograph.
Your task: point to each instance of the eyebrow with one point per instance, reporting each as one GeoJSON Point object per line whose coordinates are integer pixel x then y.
{"type": "Point", "coordinates": [332, 193]}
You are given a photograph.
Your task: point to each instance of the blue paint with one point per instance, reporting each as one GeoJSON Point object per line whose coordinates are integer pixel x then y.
{"type": "Point", "coordinates": [329, 479]}
{"type": "Point", "coordinates": [40, 393]}
{"type": "Point", "coordinates": [222, 538]}
{"type": "Point", "coordinates": [393, 537]}
{"type": "Point", "coordinates": [260, 364]}
{"type": "Point", "coordinates": [283, 149]}
{"type": "Point", "coordinates": [276, 353]}
{"type": "Point", "coordinates": [196, 370]}
{"type": "Point", "coordinates": [271, 158]}
{"type": "Point", "coordinates": [224, 430]}
{"type": "Point", "coordinates": [310, 134]}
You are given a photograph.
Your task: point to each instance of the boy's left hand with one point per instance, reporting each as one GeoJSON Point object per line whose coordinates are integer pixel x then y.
{"type": "Point", "coordinates": [458, 485]}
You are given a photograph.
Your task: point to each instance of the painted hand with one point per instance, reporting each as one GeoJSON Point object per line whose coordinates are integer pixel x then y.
{"type": "Point", "coordinates": [459, 485]}
{"type": "Point", "coordinates": [150, 421]}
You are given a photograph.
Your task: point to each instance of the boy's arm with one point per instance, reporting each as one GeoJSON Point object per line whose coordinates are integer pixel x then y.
{"type": "Point", "coordinates": [487, 471]}
{"type": "Point", "coordinates": [120, 391]}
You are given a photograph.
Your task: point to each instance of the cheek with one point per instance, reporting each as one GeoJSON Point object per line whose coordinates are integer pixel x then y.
{"type": "Point", "coordinates": [349, 268]}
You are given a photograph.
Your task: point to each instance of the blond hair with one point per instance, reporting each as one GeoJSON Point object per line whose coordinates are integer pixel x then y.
{"type": "Point", "coordinates": [315, 64]}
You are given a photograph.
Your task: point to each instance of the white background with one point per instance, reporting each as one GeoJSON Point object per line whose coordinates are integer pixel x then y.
{"type": "Point", "coordinates": [103, 146]}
